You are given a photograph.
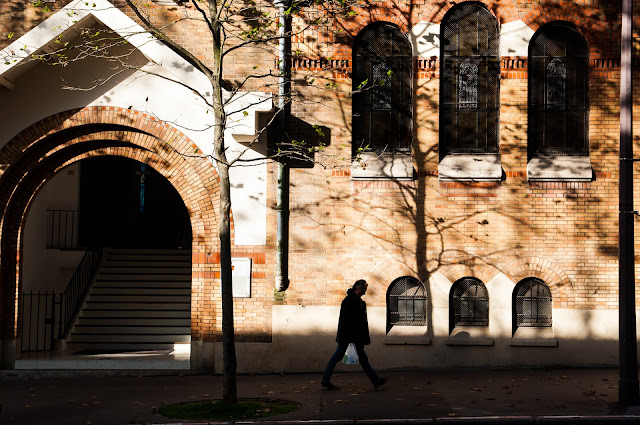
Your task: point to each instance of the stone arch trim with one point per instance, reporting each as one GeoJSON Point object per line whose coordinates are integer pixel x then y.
{"type": "Point", "coordinates": [503, 11]}
{"type": "Point", "coordinates": [562, 289]}
{"type": "Point", "coordinates": [32, 157]}
{"type": "Point", "coordinates": [386, 273]}
{"type": "Point", "coordinates": [472, 268]}
{"type": "Point", "coordinates": [586, 19]}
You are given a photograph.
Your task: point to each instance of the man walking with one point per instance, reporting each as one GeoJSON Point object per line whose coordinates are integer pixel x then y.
{"type": "Point", "coordinates": [353, 327]}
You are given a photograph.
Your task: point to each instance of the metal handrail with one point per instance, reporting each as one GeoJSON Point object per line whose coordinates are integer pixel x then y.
{"type": "Point", "coordinates": [72, 298]}
{"type": "Point", "coordinates": [62, 229]}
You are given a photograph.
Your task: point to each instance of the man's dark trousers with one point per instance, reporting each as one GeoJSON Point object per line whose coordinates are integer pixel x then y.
{"type": "Point", "coordinates": [362, 359]}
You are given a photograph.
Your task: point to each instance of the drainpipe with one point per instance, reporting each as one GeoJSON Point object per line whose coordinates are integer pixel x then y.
{"type": "Point", "coordinates": [284, 106]}
{"type": "Point", "coordinates": [628, 383]}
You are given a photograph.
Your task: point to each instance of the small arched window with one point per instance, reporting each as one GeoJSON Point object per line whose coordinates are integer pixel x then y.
{"type": "Point", "coordinates": [382, 84]}
{"type": "Point", "coordinates": [558, 92]}
{"type": "Point", "coordinates": [531, 304]}
{"type": "Point", "coordinates": [470, 81]}
{"type": "Point", "coordinates": [468, 303]}
{"type": "Point", "coordinates": [406, 303]}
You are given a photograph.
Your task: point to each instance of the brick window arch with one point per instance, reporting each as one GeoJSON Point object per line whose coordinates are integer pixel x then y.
{"type": "Point", "coordinates": [468, 303]}
{"type": "Point", "coordinates": [382, 83]}
{"type": "Point", "coordinates": [470, 81]}
{"type": "Point", "coordinates": [558, 92]}
{"type": "Point", "coordinates": [406, 303]}
{"type": "Point", "coordinates": [531, 304]}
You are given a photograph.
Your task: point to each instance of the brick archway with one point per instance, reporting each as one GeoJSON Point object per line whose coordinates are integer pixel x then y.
{"type": "Point", "coordinates": [33, 157]}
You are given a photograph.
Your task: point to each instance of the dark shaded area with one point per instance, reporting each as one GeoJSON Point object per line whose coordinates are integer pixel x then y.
{"type": "Point", "coordinates": [126, 204]}
{"type": "Point", "coordinates": [299, 145]}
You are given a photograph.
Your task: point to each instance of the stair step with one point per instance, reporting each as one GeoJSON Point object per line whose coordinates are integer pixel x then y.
{"type": "Point", "coordinates": [146, 270]}
{"type": "Point", "coordinates": [134, 291]}
{"type": "Point", "coordinates": [131, 330]}
{"type": "Point", "coordinates": [112, 347]}
{"type": "Point", "coordinates": [110, 277]}
{"type": "Point", "coordinates": [139, 298]}
{"type": "Point", "coordinates": [136, 262]}
{"type": "Point", "coordinates": [93, 305]}
{"type": "Point", "coordinates": [133, 321]}
{"type": "Point", "coordinates": [135, 314]}
{"type": "Point", "coordinates": [144, 284]}
{"type": "Point", "coordinates": [131, 339]}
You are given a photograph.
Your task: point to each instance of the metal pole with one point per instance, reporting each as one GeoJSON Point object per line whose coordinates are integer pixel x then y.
{"type": "Point", "coordinates": [628, 385]}
{"type": "Point", "coordinates": [284, 106]}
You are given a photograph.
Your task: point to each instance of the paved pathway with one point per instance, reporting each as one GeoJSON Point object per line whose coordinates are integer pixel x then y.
{"type": "Point", "coordinates": [118, 398]}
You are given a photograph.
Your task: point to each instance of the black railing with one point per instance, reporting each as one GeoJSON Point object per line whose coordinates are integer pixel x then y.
{"type": "Point", "coordinates": [38, 315]}
{"type": "Point", "coordinates": [62, 229]}
{"type": "Point", "coordinates": [72, 298]}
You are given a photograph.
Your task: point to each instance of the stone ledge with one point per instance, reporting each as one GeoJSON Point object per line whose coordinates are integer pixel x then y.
{"type": "Point", "coordinates": [469, 167]}
{"type": "Point", "coordinates": [560, 168]}
{"type": "Point", "coordinates": [533, 342]}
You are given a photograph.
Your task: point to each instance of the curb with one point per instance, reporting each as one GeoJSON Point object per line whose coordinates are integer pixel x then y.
{"type": "Point", "coordinates": [482, 420]}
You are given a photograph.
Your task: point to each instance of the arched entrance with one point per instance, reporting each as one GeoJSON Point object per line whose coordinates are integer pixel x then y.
{"type": "Point", "coordinates": [34, 156]}
{"type": "Point", "coordinates": [128, 204]}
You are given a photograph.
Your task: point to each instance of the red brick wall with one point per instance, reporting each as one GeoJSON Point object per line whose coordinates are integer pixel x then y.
{"type": "Point", "coordinates": [343, 230]}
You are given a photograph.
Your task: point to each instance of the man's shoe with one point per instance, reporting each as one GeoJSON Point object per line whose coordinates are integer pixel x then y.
{"type": "Point", "coordinates": [381, 382]}
{"type": "Point", "coordinates": [329, 386]}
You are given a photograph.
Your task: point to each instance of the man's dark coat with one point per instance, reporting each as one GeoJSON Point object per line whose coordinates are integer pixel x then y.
{"type": "Point", "coordinates": [353, 325]}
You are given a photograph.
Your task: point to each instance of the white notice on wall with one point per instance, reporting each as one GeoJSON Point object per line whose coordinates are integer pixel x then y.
{"type": "Point", "coordinates": [241, 274]}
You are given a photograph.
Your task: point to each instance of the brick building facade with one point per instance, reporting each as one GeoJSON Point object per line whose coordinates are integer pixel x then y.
{"type": "Point", "coordinates": [493, 243]}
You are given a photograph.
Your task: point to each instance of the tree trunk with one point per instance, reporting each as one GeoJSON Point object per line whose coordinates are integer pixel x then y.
{"type": "Point", "coordinates": [229, 391]}
{"type": "Point", "coordinates": [229, 387]}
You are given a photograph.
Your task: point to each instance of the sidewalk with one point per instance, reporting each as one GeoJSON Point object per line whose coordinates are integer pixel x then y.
{"type": "Point", "coordinates": [414, 397]}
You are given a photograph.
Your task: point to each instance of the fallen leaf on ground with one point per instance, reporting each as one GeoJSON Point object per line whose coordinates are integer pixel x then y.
{"type": "Point", "coordinates": [564, 377]}
{"type": "Point", "coordinates": [452, 414]}
{"type": "Point", "coordinates": [416, 389]}
{"type": "Point", "coordinates": [477, 389]}
{"type": "Point", "coordinates": [342, 401]}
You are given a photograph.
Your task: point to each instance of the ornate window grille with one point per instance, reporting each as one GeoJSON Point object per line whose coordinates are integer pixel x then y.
{"type": "Point", "coordinates": [406, 302]}
{"type": "Point", "coordinates": [532, 303]}
{"type": "Point", "coordinates": [469, 303]}
{"type": "Point", "coordinates": [470, 81]}
{"type": "Point", "coordinates": [382, 83]}
{"type": "Point", "coordinates": [558, 92]}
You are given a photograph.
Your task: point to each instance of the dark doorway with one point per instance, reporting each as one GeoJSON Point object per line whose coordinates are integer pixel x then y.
{"type": "Point", "coordinates": [127, 204]}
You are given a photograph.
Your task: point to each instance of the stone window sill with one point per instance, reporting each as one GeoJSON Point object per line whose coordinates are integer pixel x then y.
{"type": "Point", "coordinates": [468, 167]}
{"type": "Point", "coordinates": [390, 166]}
{"type": "Point", "coordinates": [470, 335]}
{"type": "Point", "coordinates": [560, 168]}
{"type": "Point", "coordinates": [407, 335]}
{"type": "Point", "coordinates": [533, 342]}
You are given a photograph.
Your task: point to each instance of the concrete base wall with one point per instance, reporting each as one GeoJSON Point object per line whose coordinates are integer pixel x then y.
{"type": "Point", "coordinates": [8, 354]}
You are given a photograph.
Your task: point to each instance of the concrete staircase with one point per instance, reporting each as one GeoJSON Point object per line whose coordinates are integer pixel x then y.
{"type": "Point", "coordinates": [140, 301]}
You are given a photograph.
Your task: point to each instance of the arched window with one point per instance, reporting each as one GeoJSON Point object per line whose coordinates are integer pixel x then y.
{"type": "Point", "coordinates": [531, 304]}
{"type": "Point", "coordinates": [470, 81]}
{"type": "Point", "coordinates": [468, 303]}
{"type": "Point", "coordinates": [558, 92]}
{"type": "Point", "coordinates": [382, 76]}
{"type": "Point", "coordinates": [406, 303]}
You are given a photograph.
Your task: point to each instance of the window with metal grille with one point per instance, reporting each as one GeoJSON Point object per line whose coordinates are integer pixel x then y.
{"type": "Point", "coordinates": [406, 303]}
{"type": "Point", "coordinates": [470, 81]}
{"type": "Point", "coordinates": [558, 92]}
{"type": "Point", "coordinates": [382, 83]}
{"type": "Point", "coordinates": [469, 303]}
{"type": "Point", "coordinates": [532, 304]}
